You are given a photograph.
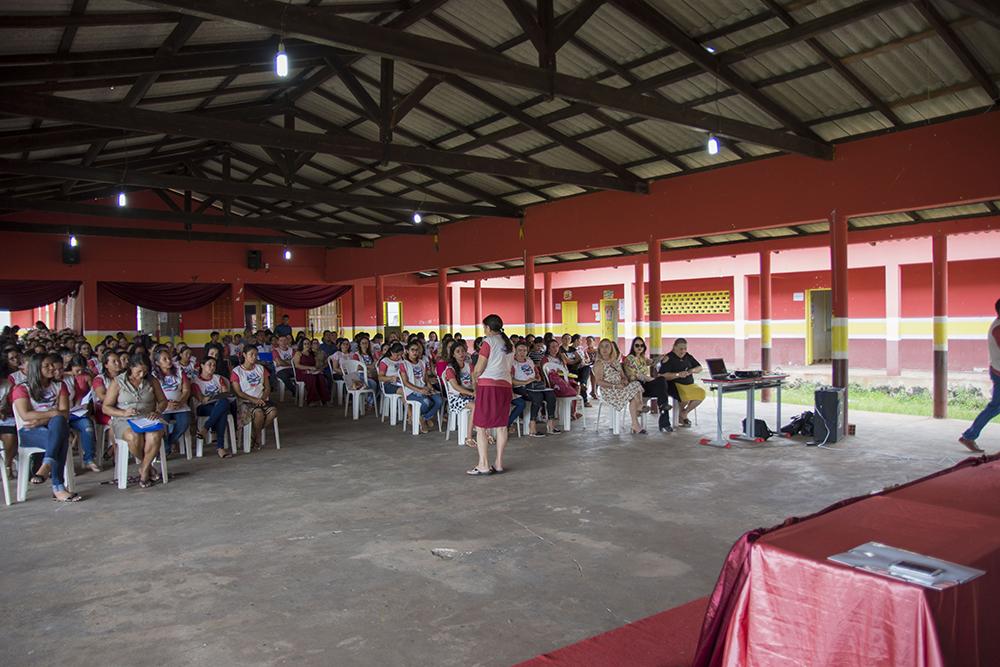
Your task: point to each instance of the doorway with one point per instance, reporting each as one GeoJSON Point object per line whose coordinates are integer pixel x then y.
{"type": "Point", "coordinates": [161, 326]}
{"type": "Point", "coordinates": [392, 315]}
{"type": "Point", "coordinates": [609, 319]}
{"type": "Point", "coordinates": [570, 323]}
{"type": "Point", "coordinates": [258, 315]}
{"type": "Point", "coordinates": [819, 326]}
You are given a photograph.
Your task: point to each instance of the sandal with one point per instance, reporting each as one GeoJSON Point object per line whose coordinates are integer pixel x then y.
{"type": "Point", "coordinates": [153, 476]}
{"type": "Point", "coordinates": [224, 454]}
{"type": "Point", "coordinates": [476, 472]}
{"type": "Point", "coordinates": [470, 442]}
{"type": "Point", "coordinates": [73, 498]}
{"type": "Point", "coordinates": [497, 471]}
{"type": "Point", "coordinates": [38, 479]}
{"type": "Point", "coordinates": [145, 483]}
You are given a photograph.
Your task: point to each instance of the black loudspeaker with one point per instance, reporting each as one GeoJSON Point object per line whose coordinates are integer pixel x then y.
{"type": "Point", "coordinates": [71, 254]}
{"type": "Point", "coordinates": [253, 259]}
{"type": "Point", "coordinates": [828, 420]}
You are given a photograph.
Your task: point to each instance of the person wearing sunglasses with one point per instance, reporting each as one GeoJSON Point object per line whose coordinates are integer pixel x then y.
{"type": "Point", "coordinates": [638, 368]}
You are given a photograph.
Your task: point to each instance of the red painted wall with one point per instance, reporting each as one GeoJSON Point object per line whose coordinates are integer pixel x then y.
{"type": "Point", "coordinates": [973, 288]}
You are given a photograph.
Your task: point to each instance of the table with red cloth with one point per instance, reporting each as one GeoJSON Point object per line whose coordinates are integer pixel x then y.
{"type": "Point", "coordinates": [780, 601]}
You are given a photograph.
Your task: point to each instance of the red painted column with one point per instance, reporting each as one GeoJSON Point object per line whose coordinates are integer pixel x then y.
{"type": "Point", "coordinates": [765, 317]}
{"type": "Point", "coordinates": [639, 296]}
{"type": "Point", "coordinates": [379, 305]}
{"type": "Point", "coordinates": [478, 301]}
{"type": "Point", "coordinates": [655, 330]}
{"type": "Point", "coordinates": [547, 304]}
{"type": "Point", "coordinates": [939, 266]}
{"type": "Point", "coordinates": [838, 265]}
{"type": "Point", "coordinates": [529, 293]}
{"type": "Point", "coordinates": [893, 296]}
{"type": "Point", "coordinates": [442, 302]}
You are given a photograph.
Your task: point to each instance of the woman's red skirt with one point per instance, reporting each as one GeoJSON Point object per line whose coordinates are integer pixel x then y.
{"type": "Point", "coordinates": [492, 406]}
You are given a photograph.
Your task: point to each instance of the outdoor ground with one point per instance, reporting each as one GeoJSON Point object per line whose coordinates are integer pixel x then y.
{"type": "Point", "coordinates": [321, 553]}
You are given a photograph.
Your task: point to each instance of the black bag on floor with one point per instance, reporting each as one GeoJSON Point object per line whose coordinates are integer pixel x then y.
{"type": "Point", "coordinates": [800, 424]}
{"type": "Point", "coordinates": [760, 429]}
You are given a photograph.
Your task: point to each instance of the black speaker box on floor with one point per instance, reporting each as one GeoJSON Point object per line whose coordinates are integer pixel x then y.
{"type": "Point", "coordinates": [71, 254]}
{"type": "Point", "coordinates": [829, 415]}
{"type": "Point", "coordinates": [253, 259]}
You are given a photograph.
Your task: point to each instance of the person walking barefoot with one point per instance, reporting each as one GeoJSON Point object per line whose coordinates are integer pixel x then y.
{"type": "Point", "coordinates": [992, 408]}
{"type": "Point", "coordinates": [493, 394]}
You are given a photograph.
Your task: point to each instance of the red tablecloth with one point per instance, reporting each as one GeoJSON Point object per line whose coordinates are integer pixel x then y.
{"type": "Point", "coordinates": [794, 607]}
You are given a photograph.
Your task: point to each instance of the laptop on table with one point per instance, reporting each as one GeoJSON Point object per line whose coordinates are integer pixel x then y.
{"type": "Point", "coordinates": [717, 369]}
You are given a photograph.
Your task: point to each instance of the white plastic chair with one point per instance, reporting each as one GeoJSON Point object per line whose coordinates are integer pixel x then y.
{"type": "Point", "coordinates": [248, 431]}
{"type": "Point", "coordinates": [357, 397]}
{"type": "Point", "coordinates": [564, 404]}
{"type": "Point", "coordinates": [457, 421]}
{"type": "Point", "coordinates": [230, 425]}
{"type": "Point", "coordinates": [391, 403]}
{"type": "Point", "coordinates": [4, 479]}
{"type": "Point", "coordinates": [677, 413]}
{"type": "Point", "coordinates": [339, 386]}
{"type": "Point", "coordinates": [24, 464]}
{"type": "Point", "coordinates": [121, 462]}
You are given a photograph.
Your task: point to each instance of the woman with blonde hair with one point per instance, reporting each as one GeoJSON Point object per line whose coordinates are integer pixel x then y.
{"type": "Point", "coordinates": [616, 390]}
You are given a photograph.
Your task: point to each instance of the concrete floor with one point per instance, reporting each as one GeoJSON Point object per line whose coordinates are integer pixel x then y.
{"type": "Point", "coordinates": [320, 554]}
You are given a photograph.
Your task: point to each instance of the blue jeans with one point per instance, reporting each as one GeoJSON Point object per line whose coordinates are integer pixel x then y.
{"type": "Point", "coordinates": [182, 422]}
{"type": "Point", "coordinates": [516, 411]}
{"type": "Point", "coordinates": [991, 410]}
{"type": "Point", "coordinates": [429, 405]}
{"type": "Point", "coordinates": [54, 439]}
{"type": "Point", "coordinates": [216, 422]}
{"type": "Point", "coordinates": [85, 428]}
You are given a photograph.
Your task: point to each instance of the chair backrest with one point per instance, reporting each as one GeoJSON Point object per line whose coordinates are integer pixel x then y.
{"type": "Point", "coordinates": [558, 368]}
{"type": "Point", "coordinates": [351, 366]}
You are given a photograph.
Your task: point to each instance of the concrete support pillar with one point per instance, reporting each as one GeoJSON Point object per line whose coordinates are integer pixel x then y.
{"type": "Point", "coordinates": [442, 302]}
{"type": "Point", "coordinates": [740, 319]}
{"type": "Point", "coordinates": [939, 267]}
{"type": "Point", "coordinates": [354, 310]}
{"type": "Point", "coordinates": [640, 297]}
{"type": "Point", "coordinates": [893, 294]}
{"type": "Point", "coordinates": [765, 317]}
{"type": "Point", "coordinates": [379, 305]}
{"type": "Point", "coordinates": [838, 334]}
{"type": "Point", "coordinates": [655, 329]}
{"type": "Point", "coordinates": [548, 306]}
{"type": "Point", "coordinates": [529, 293]}
{"type": "Point", "coordinates": [478, 289]}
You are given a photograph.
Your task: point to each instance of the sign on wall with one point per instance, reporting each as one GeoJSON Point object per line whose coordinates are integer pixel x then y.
{"type": "Point", "coordinates": [567, 295]}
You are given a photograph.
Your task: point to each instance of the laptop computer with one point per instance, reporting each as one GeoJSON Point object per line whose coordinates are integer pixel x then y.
{"type": "Point", "coordinates": [717, 369]}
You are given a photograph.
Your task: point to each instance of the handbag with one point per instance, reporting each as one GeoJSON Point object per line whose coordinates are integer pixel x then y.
{"type": "Point", "coordinates": [561, 386]}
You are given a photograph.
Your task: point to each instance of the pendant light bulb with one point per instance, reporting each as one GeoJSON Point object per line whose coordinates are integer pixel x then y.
{"type": "Point", "coordinates": [72, 241]}
{"type": "Point", "coordinates": [713, 145]}
{"type": "Point", "coordinates": [122, 199]}
{"type": "Point", "coordinates": [281, 61]}
{"type": "Point", "coordinates": [288, 254]}
{"type": "Point", "coordinates": [417, 218]}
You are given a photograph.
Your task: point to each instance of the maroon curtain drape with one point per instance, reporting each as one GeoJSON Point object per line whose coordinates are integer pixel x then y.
{"type": "Point", "coordinates": [28, 294]}
{"type": "Point", "coordinates": [298, 296]}
{"type": "Point", "coordinates": [167, 297]}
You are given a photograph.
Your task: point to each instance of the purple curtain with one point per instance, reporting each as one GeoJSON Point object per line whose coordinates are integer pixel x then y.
{"type": "Point", "coordinates": [167, 297]}
{"type": "Point", "coordinates": [298, 296]}
{"type": "Point", "coordinates": [28, 294]}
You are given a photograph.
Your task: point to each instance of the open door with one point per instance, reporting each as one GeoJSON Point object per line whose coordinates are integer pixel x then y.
{"type": "Point", "coordinates": [392, 315]}
{"type": "Point", "coordinates": [609, 319]}
{"type": "Point", "coordinates": [819, 326]}
{"type": "Point", "coordinates": [570, 323]}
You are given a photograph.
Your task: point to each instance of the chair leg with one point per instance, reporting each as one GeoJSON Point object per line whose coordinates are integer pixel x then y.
{"type": "Point", "coordinates": [277, 436]}
{"type": "Point", "coordinates": [69, 475]}
{"type": "Point", "coordinates": [247, 430]}
{"type": "Point", "coordinates": [232, 433]}
{"type": "Point", "coordinates": [121, 463]}
{"type": "Point", "coordinates": [163, 462]}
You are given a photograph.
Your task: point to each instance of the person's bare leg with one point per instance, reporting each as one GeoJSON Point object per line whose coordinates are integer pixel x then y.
{"type": "Point", "coordinates": [258, 426]}
{"type": "Point", "coordinates": [269, 416]}
{"type": "Point", "coordinates": [152, 448]}
{"type": "Point", "coordinates": [633, 408]}
{"type": "Point", "coordinates": [10, 451]}
{"type": "Point", "coordinates": [482, 446]}
{"type": "Point", "coordinates": [501, 443]}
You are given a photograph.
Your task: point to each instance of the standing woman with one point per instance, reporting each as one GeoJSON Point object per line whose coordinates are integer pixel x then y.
{"type": "Point", "coordinates": [135, 393]}
{"type": "Point", "coordinates": [616, 390]}
{"type": "Point", "coordinates": [211, 392]}
{"type": "Point", "coordinates": [458, 375]}
{"type": "Point", "coordinates": [41, 409]}
{"type": "Point", "coordinates": [174, 383]}
{"type": "Point", "coordinates": [253, 392]}
{"type": "Point", "coordinates": [494, 393]}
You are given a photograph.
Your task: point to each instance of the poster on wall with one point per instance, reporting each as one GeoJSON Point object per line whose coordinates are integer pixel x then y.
{"type": "Point", "coordinates": [567, 294]}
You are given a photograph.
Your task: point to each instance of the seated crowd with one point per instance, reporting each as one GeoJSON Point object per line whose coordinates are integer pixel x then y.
{"type": "Point", "coordinates": [56, 388]}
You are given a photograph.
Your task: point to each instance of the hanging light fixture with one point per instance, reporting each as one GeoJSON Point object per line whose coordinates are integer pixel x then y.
{"type": "Point", "coordinates": [72, 241]}
{"type": "Point", "coordinates": [281, 61]}
{"type": "Point", "coordinates": [417, 218]}
{"type": "Point", "coordinates": [288, 254]}
{"type": "Point", "coordinates": [713, 145]}
{"type": "Point", "coordinates": [122, 199]}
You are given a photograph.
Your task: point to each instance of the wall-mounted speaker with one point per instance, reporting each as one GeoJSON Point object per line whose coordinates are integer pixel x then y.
{"type": "Point", "coordinates": [70, 254]}
{"type": "Point", "coordinates": [253, 259]}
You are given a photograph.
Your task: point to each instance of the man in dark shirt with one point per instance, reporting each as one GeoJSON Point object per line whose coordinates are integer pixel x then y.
{"type": "Point", "coordinates": [679, 368]}
{"type": "Point", "coordinates": [283, 329]}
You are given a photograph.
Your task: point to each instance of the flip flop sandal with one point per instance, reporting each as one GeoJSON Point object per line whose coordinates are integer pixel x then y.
{"type": "Point", "coordinates": [225, 454]}
{"type": "Point", "coordinates": [75, 498]}
{"type": "Point", "coordinates": [145, 483]}
{"type": "Point", "coordinates": [498, 471]}
{"type": "Point", "coordinates": [469, 442]}
{"type": "Point", "coordinates": [38, 479]}
{"type": "Point", "coordinates": [476, 472]}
